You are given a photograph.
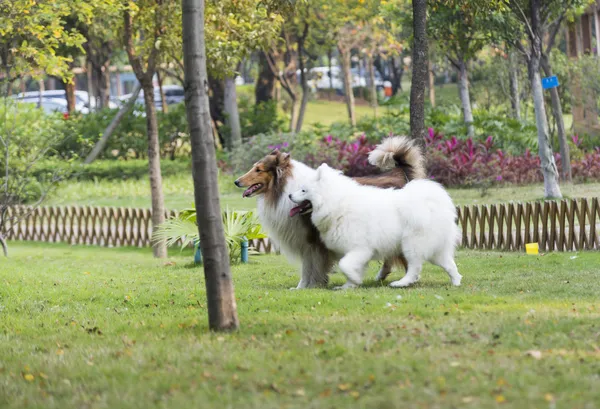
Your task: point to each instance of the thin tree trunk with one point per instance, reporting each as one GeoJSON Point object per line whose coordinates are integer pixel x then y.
{"type": "Point", "coordinates": [465, 98]}
{"type": "Point", "coordinates": [103, 77]}
{"type": "Point", "coordinates": [42, 87]}
{"type": "Point", "coordinates": [4, 246]}
{"type": "Point", "coordinates": [549, 170]}
{"type": "Point", "coordinates": [372, 86]}
{"type": "Point", "coordinates": [70, 95]}
{"type": "Point", "coordinates": [348, 91]}
{"type": "Point", "coordinates": [419, 72]}
{"type": "Point", "coordinates": [232, 116]}
{"type": "Point", "coordinates": [156, 192]}
{"type": "Point", "coordinates": [163, 98]}
{"type": "Point", "coordinates": [265, 83]}
{"type": "Point", "coordinates": [303, 78]}
{"type": "Point", "coordinates": [99, 147]}
{"type": "Point", "coordinates": [222, 309]}
{"type": "Point", "coordinates": [329, 57]}
{"type": "Point", "coordinates": [431, 85]}
{"type": "Point", "coordinates": [90, 86]}
{"type": "Point", "coordinates": [513, 78]}
{"type": "Point", "coordinates": [565, 155]}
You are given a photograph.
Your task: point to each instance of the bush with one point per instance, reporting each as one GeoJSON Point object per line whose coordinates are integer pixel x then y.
{"type": "Point", "coordinates": [451, 161]}
{"type": "Point", "coordinates": [129, 140]}
{"type": "Point", "coordinates": [259, 118]}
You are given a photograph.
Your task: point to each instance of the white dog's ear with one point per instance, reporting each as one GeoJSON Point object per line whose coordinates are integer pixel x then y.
{"type": "Point", "coordinates": [321, 170]}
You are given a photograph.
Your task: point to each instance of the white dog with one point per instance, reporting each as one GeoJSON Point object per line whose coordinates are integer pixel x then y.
{"type": "Point", "coordinates": [364, 223]}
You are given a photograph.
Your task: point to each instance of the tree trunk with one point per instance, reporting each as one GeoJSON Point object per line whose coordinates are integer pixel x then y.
{"type": "Point", "coordinates": [513, 78]}
{"type": "Point", "coordinates": [4, 246]}
{"type": "Point", "coordinates": [103, 77]}
{"type": "Point", "coordinates": [431, 85]}
{"type": "Point", "coordinates": [99, 147]}
{"type": "Point", "coordinates": [70, 95]}
{"type": "Point", "coordinates": [565, 155]}
{"type": "Point", "coordinates": [465, 98]}
{"type": "Point", "coordinates": [217, 99]}
{"type": "Point", "coordinates": [42, 87]}
{"type": "Point", "coordinates": [549, 170]}
{"type": "Point", "coordinates": [265, 84]}
{"type": "Point", "coordinates": [348, 90]}
{"type": "Point", "coordinates": [396, 74]}
{"type": "Point", "coordinates": [222, 309]}
{"type": "Point", "coordinates": [163, 98]}
{"type": "Point", "coordinates": [90, 86]}
{"type": "Point", "coordinates": [156, 192]}
{"type": "Point", "coordinates": [232, 116]}
{"type": "Point", "coordinates": [303, 79]}
{"type": "Point", "coordinates": [372, 86]}
{"type": "Point", "coordinates": [329, 57]}
{"type": "Point", "coordinates": [419, 72]}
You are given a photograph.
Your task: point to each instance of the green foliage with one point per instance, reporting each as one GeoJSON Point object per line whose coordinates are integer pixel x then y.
{"type": "Point", "coordinates": [27, 137]}
{"type": "Point", "coordinates": [260, 118]}
{"type": "Point", "coordinates": [239, 226]}
{"type": "Point", "coordinates": [31, 32]}
{"type": "Point", "coordinates": [129, 139]}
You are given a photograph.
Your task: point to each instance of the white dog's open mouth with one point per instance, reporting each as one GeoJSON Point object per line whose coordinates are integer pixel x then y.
{"type": "Point", "coordinates": [303, 208]}
{"type": "Point", "coordinates": [250, 191]}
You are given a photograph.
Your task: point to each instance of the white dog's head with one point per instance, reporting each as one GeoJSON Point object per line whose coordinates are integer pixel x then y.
{"type": "Point", "coordinates": [310, 196]}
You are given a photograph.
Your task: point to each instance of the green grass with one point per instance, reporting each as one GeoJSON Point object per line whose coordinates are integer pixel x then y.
{"type": "Point", "coordinates": [107, 328]}
{"type": "Point", "coordinates": [327, 112]}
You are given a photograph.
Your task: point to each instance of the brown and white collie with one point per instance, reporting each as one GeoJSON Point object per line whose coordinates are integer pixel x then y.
{"type": "Point", "coordinates": [288, 225]}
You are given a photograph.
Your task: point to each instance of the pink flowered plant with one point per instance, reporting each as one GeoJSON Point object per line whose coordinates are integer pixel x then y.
{"type": "Point", "coordinates": [455, 162]}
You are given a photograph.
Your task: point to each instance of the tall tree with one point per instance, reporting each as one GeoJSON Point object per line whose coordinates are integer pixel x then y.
{"type": "Point", "coordinates": [222, 309]}
{"type": "Point", "coordinates": [461, 30]}
{"type": "Point", "coordinates": [145, 24]}
{"type": "Point", "coordinates": [525, 27]}
{"type": "Point", "coordinates": [420, 71]}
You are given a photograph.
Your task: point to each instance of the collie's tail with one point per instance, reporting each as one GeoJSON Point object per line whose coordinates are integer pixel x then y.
{"type": "Point", "coordinates": [399, 152]}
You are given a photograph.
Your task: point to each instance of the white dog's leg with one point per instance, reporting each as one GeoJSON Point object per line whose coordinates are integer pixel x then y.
{"type": "Point", "coordinates": [412, 275]}
{"type": "Point", "coordinates": [446, 261]}
{"type": "Point", "coordinates": [385, 271]}
{"type": "Point", "coordinates": [353, 266]}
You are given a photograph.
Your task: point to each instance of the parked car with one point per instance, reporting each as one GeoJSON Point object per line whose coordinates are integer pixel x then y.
{"type": "Point", "coordinates": [320, 77]}
{"type": "Point", "coordinates": [174, 94]}
{"type": "Point", "coordinates": [82, 98]}
{"type": "Point", "coordinates": [49, 105]}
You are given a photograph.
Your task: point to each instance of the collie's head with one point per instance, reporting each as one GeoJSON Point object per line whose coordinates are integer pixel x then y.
{"type": "Point", "coordinates": [267, 176]}
{"type": "Point", "coordinates": [311, 195]}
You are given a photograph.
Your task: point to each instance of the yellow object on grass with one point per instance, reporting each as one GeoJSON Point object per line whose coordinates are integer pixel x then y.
{"type": "Point", "coordinates": [532, 248]}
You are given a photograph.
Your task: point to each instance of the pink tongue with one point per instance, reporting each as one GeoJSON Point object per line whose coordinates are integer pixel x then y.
{"type": "Point", "coordinates": [295, 210]}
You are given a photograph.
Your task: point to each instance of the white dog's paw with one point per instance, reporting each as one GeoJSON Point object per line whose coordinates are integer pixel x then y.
{"type": "Point", "coordinates": [456, 280]}
{"type": "Point", "coordinates": [401, 283]}
{"type": "Point", "coordinates": [346, 286]}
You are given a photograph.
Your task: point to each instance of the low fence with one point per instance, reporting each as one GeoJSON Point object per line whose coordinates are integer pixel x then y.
{"type": "Point", "coordinates": [566, 225]}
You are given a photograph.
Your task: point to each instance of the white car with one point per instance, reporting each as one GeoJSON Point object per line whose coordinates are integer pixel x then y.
{"type": "Point", "coordinates": [320, 77]}
{"type": "Point", "coordinates": [82, 98]}
{"type": "Point", "coordinates": [49, 105]}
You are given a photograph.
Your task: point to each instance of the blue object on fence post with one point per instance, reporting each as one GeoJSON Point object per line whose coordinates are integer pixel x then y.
{"type": "Point", "coordinates": [244, 246]}
{"type": "Point", "coordinates": [197, 253]}
{"type": "Point", "coordinates": [550, 82]}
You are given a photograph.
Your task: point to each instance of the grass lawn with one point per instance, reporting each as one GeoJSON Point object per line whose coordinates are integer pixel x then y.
{"type": "Point", "coordinates": [106, 328]}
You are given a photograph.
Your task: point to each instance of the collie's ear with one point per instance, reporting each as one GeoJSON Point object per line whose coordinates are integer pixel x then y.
{"type": "Point", "coordinates": [274, 152]}
{"type": "Point", "coordinates": [284, 159]}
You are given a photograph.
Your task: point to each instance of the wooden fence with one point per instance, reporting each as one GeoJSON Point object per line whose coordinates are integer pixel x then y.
{"type": "Point", "coordinates": [566, 225]}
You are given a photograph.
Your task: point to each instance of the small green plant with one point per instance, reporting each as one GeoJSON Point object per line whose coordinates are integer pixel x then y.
{"type": "Point", "coordinates": [239, 226]}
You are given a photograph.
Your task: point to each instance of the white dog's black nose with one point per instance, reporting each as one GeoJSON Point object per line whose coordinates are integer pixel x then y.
{"type": "Point", "coordinates": [290, 196]}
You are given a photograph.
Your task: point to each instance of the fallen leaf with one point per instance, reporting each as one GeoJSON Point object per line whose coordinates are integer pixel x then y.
{"type": "Point", "coordinates": [288, 332]}
{"type": "Point", "coordinates": [60, 352]}
{"type": "Point", "coordinates": [344, 386]}
{"type": "Point", "coordinates": [534, 354]}
{"type": "Point", "coordinates": [325, 393]}
{"type": "Point", "coordinates": [28, 377]}
{"type": "Point", "coordinates": [169, 263]}
{"type": "Point", "coordinates": [320, 342]}
{"type": "Point", "coordinates": [355, 394]}
{"type": "Point", "coordinates": [43, 375]}
{"type": "Point", "coordinates": [500, 399]}
{"type": "Point", "coordinates": [300, 392]}
{"type": "Point", "coordinates": [87, 273]}
{"type": "Point", "coordinates": [549, 397]}
{"type": "Point", "coordinates": [468, 399]}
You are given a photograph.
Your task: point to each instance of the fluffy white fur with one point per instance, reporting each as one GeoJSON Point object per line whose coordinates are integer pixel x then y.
{"type": "Point", "coordinates": [364, 223]}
